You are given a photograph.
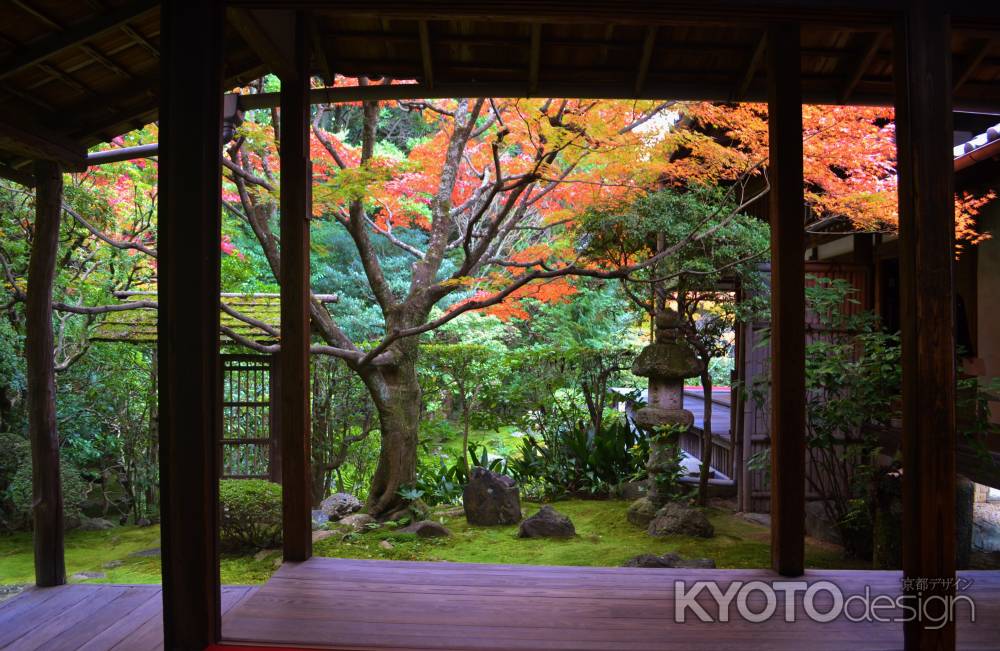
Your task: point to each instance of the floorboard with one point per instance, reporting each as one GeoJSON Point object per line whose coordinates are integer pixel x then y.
{"type": "Point", "coordinates": [376, 605]}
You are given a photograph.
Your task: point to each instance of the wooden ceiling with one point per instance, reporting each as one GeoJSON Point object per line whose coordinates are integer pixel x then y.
{"type": "Point", "coordinates": [73, 74]}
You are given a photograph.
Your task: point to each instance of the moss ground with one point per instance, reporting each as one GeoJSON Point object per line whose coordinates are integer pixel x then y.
{"type": "Point", "coordinates": [604, 537]}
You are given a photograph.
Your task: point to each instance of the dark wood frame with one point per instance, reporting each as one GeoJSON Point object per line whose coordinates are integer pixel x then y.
{"type": "Point", "coordinates": [190, 112]}
{"type": "Point", "coordinates": [189, 228]}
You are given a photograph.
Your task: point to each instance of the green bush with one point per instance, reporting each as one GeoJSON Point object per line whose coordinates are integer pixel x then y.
{"type": "Point", "coordinates": [19, 494]}
{"type": "Point", "coordinates": [251, 514]}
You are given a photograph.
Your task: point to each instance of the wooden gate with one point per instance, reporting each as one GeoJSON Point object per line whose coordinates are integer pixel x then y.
{"type": "Point", "coordinates": [755, 483]}
{"type": "Point", "coordinates": [249, 445]}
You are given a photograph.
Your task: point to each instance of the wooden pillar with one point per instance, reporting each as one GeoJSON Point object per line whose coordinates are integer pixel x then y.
{"type": "Point", "coordinates": [296, 209]}
{"type": "Point", "coordinates": [47, 510]}
{"type": "Point", "coordinates": [189, 231]}
{"type": "Point", "coordinates": [787, 216]}
{"type": "Point", "coordinates": [922, 71]}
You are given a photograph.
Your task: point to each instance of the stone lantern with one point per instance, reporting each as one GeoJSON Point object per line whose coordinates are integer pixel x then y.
{"type": "Point", "coordinates": [667, 363]}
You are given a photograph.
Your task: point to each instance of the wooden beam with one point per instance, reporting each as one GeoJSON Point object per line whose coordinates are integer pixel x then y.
{"type": "Point", "coordinates": [35, 141]}
{"type": "Point", "coordinates": [259, 40]}
{"type": "Point", "coordinates": [425, 53]}
{"type": "Point", "coordinates": [644, 59]}
{"type": "Point", "coordinates": [189, 263]}
{"type": "Point", "coordinates": [534, 58]}
{"type": "Point", "coordinates": [863, 64]}
{"type": "Point", "coordinates": [787, 213]}
{"type": "Point", "coordinates": [972, 63]}
{"type": "Point", "coordinates": [141, 41]}
{"type": "Point", "coordinates": [79, 33]}
{"type": "Point", "coordinates": [47, 508]}
{"type": "Point", "coordinates": [751, 70]}
{"type": "Point", "coordinates": [18, 176]}
{"type": "Point", "coordinates": [922, 69]}
{"type": "Point", "coordinates": [319, 51]}
{"type": "Point", "coordinates": [296, 211]}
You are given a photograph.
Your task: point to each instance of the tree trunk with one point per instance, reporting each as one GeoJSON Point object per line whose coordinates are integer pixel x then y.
{"type": "Point", "coordinates": [706, 438]}
{"type": "Point", "coordinates": [465, 435]}
{"type": "Point", "coordinates": [396, 391]}
{"type": "Point", "coordinates": [47, 502]}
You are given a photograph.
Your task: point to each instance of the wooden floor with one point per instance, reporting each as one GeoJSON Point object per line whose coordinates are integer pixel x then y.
{"type": "Point", "coordinates": [91, 617]}
{"type": "Point", "coordinates": [353, 604]}
{"type": "Point", "coordinates": [364, 605]}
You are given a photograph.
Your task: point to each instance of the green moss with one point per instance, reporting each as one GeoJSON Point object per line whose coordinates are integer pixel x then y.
{"type": "Point", "coordinates": [111, 552]}
{"type": "Point", "coordinates": [604, 537]}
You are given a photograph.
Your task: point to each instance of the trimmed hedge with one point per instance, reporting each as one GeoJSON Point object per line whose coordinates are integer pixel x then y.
{"type": "Point", "coordinates": [251, 514]}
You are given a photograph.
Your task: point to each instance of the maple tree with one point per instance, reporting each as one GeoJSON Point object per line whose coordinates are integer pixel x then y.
{"type": "Point", "coordinates": [484, 197]}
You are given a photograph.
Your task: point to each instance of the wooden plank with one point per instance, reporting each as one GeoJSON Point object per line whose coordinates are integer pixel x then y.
{"type": "Point", "coordinates": [874, 42]}
{"type": "Point", "coordinates": [425, 53]}
{"type": "Point", "coordinates": [45, 636]}
{"type": "Point", "coordinates": [357, 604]}
{"type": "Point", "coordinates": [973, 62]}
{"type": "Point", "coordinates": [47, 509]}
{"type": "Point", "coordinates": [751, 70]}
{"type": "Point", "coordinates": [787, 209]}
{"type": "Point", "coordinates": [294, 397]}
{"type": "Point", "coordinates": [79, 33]}
{"type": "Point", "coordinates": [922, 68]}
{"type": "Point", "coordinates": [29, 139]}
{"type": "Point", "coordinates": [24, 622]}
{"type": "Point", "coordinates": [246, 23]}
{"type": "Point", "coordinates": [188, 321]}
{"type": "Point", "coordinates": [534, 58]}
{"type": "Point", "coordinates": [644, 59]}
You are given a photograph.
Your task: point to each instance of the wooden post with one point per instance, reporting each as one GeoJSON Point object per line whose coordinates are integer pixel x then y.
{"type": "Point", "coordinates": [787, 215]}
{"type": "Point", "coordinates": [47, 511]}
{"type": "Point", "coordinates": [296, 209]}
{"type": "Point", "coordinates": [922, 71]}
{"type": "Point", "coordinates": [189, 231]}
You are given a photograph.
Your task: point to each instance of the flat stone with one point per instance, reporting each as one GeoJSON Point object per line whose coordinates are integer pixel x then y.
{"type": "Point", "coordinates": [84, 576]}
{"type": "Point", "coordinates": [146, 553]}
{"type": "Point", "coordinates": [110, 565]}
{"type": "Point", "coordinates": [95, 524]}
{"type": "Point", "coordinates": [357, 521]}
{"type": "Point", "coordinates": [547, 523]}
{"type": "Point", "coordinates": [322, 534]}
{"type": "Point", "coordinates": [669, 560]}
{"type": "Point", "coordinates": [427, 529]}
{"type": "Point", "coordinates": [386, 545]}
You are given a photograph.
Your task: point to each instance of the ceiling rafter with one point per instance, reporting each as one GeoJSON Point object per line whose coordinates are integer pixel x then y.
{"type": "Point", "coordinates": [862, 65]}
{"type": "Point", "coordinates": [72, 36]}
{"type": "Point", "coordinates": [747, 77]}
{"type": "Point", "coordinates": [972, 63]}
{"type": "Point", "coordinates": [534, 58]}
{"type": "Point", "coordinates": [425, 53]}
{"type": "Point", "coordinates": [647, 55]}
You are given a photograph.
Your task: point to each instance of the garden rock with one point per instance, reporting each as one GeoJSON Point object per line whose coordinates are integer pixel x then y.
{"type": "Point", "coordinates": [339, 505]}
{"type": "Point", "coordinates": [110, 565]}
{"type": "Point", "coordinates": [427, 529]}
{"type": "Point", "coordinates": [357, 521]}
{"type": "Point", "coordinates": [385, 544]}
{"type": "Point", "coordinates": [641, 512]}
{"type": "Point", "coordinates": [491, 498]}
{"type": "Point", "coordinates": [547, 523]}
{"type": "Point", "coordinates": [95, 524]}
{"type": "Point", "coordinates": [86, 576]}
{"type": "Point", "coordinates": [681, 520]}
{"type": "Point", "coordinates": [668, 561]}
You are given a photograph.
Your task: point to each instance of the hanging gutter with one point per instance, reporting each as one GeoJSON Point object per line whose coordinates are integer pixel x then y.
{"type": "Point", "coordinates": [982, 147]}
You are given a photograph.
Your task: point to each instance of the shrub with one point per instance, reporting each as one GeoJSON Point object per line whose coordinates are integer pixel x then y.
{"type": "Point", "coordinates": [20, 494]}
{"type": "Point", "coordinates": [251, 514]}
